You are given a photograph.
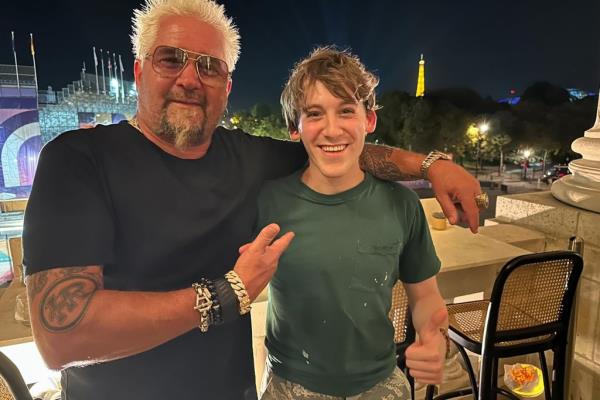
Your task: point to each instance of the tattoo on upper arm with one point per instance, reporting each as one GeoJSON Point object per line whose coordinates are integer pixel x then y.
{"type": "Point", "coordinates": [65, 299]}
{"type": "Point", "coordinates": [376, 160]}
{"type": "Point", "coordinates": [37, 282]}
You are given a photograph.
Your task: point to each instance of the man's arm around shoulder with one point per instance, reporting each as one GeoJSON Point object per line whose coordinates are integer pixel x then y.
{"type": "Point", "coordinates": [455, 189]}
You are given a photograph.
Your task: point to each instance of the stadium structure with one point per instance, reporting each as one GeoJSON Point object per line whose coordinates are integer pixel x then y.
{"type": "Point", "coordinates": [29, 117]}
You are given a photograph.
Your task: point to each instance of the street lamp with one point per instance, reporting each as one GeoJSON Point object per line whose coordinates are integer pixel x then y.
{"type": "Point", "coordinates": [482, 129]}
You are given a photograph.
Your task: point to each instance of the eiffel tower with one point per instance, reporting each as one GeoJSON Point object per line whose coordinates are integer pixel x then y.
{"type": "Point", "coordinates": [421, 78]}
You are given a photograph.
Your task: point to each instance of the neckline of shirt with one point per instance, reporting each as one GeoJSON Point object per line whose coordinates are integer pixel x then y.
{"type": "Point", "coordinates": [306, 192]}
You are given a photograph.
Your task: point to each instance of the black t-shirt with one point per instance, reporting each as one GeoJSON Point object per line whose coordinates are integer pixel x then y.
{"type": "Point", "coordinates": [111, 197]}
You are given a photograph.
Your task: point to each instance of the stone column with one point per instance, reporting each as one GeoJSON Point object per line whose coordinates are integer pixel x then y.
{"type": "Point", "coordinates": [582, 188]}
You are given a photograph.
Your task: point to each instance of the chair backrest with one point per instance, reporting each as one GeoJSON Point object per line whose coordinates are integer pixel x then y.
{"type": "Point", "coordinates": [532, 297]}
{"type": "Point", "coordinates": [12, 385]}
{"type": "Point", "coordinates": [404, 331]}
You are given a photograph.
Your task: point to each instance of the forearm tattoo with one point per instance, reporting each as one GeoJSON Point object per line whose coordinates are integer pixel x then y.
{"type": "Point", "coordinates": [376, 160]}
{"type": "Point", "coordinates": [64, 301]}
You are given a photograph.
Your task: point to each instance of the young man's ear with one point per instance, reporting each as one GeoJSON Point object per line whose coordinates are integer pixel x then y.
{"type": "Point", "coordinates": [295, 135]}
{"type": "Point", "coordinates": [371, 121]}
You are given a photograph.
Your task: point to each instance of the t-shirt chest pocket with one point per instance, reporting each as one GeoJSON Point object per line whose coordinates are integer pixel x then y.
{"type": "Point", "coordinates": [375, 265]}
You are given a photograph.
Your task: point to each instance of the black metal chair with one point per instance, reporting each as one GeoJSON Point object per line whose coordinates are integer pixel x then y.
{"type": "Point", "coordinates": [404, 331]}
{"type": "Point", "coordinates": [528, 312]}
{"type": "Point", "coordinates": [12, 385]}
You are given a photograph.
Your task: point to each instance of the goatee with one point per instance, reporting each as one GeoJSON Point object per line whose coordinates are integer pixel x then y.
{"type": "Point", "coordinates": [180, 129]}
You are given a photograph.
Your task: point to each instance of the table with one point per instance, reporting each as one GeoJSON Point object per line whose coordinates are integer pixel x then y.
{"type": "Point", "coordinates": [515, 235]}
{"type": "Point", "coordinates": [470, 262]}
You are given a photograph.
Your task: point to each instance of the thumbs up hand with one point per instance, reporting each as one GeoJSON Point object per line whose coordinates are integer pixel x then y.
{"type": "Point", "coordinates": [425, 357]}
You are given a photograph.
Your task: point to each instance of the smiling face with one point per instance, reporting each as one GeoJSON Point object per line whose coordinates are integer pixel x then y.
{"type": "Point", "coordinates": [182, 111]}
{"type": "Point", "coordinates": [333, 132]}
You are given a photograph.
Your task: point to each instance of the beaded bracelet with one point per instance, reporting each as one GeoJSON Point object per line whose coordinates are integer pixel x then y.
{"type": "Point", "coordinates": [230, 305]}
{"type": "Point", "coordinates": [215, 312]}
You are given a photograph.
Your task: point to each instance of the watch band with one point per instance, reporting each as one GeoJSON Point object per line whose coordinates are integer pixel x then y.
{"type": "Point", "coordinates": [432, 157]}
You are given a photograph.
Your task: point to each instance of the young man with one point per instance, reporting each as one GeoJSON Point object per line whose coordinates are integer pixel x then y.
{"type": "Point", "coordinates": [123, 219]}
{"type": "Point", "coordinates": [328, 331]}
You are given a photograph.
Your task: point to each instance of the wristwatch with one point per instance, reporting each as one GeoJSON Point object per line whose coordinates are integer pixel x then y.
{"type": "Point", "coordinates": [430, 159]}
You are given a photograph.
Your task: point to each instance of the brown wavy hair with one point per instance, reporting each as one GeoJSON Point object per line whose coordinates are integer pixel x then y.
{"type": "Point", "coordinates": [340, 71]}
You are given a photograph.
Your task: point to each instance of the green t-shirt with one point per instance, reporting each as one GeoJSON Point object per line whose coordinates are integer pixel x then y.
{"type": "Point", "coordinates": [327, 320]}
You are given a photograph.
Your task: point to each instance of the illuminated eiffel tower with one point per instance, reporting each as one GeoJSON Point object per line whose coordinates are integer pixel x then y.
{"type": "Point", "coordinates": [421, 78]}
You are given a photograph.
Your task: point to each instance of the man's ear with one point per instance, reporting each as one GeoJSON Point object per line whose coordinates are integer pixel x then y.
{"type": "Point", "coordinates": [137, 71]}
{"type": "Point", "coordinates": [294, 135]}
{"type": "Point", "coordinates": [371, 121]}
{"type": "Point", "coordinates": [229, 84]}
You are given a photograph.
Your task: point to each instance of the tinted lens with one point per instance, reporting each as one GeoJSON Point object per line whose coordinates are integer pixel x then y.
{"type": "Point", "coordinates": [168, 61]}
{"type": "Point", "coordinates": [212, 69]}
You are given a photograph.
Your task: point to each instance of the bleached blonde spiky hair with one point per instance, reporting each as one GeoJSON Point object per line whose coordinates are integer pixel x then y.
{"type": "Point", "coordinates": [146, 21]}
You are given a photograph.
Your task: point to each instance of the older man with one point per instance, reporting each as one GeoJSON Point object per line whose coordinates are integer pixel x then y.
{"type": "Point", "coordinates": [131, 229]}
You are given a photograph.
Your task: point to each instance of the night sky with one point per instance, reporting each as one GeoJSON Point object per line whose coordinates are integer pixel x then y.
{"type": "Point", "coordinates": [489, 46]}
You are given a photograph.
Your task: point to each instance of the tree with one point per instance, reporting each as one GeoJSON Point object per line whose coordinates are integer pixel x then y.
{"type": "Point", "coordinates": [260, 121]}
{"type": "Point", "coordinates": [497, 142]}
{"type": "Point", "coordinates": [261, 110]}
{"type": "Point", "coordinates": [396, 106]}
{"type": "Point", "coordinates": [421, 124]}
{"type": "Point", "coordinates": [450, 124]}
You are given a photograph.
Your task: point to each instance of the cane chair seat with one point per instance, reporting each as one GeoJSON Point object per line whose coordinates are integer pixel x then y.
{"type": "Point", "coordinates": [5, 394]}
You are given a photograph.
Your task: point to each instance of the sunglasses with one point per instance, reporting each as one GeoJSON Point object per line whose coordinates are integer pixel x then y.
{"type": "Point", "coordinates": [169, 61]}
